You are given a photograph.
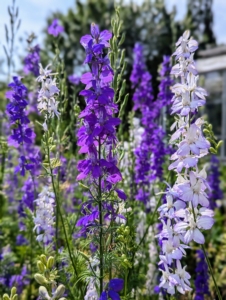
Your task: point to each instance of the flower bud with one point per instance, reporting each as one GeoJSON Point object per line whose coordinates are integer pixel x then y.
{"type": "Point", "coordinates": [5, 297]}
{"type": "Point", "coordinates": [50, 262]}
{"type": "Point", "coordinates": [15, 297]}
{"type": "Point", "coordinates": [59, 291]}
{"type": "Point", "coordinates": [43, 259]}
{"type": "Point", "coordinates": [40, 266]}
{"type": "Point", "coordinates": [47, 273]}
{"type": "Point", "coordinates": [13, 292]}
{"type": "Point", "coordinates": [43, 293]}
{"type": "Point", "coordinates": [40, 279]}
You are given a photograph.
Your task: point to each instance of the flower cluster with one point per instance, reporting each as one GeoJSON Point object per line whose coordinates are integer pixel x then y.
{"type": "Point", "coordinates": [32, 60]}
{"type": "Point", "coordinates": [202, 277]}
{"type": "Point", "coordinates": [114, 287]}
{"type": "Point", "coordinates": [97, 135]}
{"type": "Point", "coordinates": [214, 182]}
{"type": "Point", "coordinates": [185, 213]}
{"type": "Point", "coordinates": [55, 29]}
{"type": "Point", "coordinates": [46, 97]}
{"type": "Point", "coordinates": [22, 132]}
{"type": "Point", "coordinates": [44, 216]}
{"type": "Point", "coordinates": [149, 154]}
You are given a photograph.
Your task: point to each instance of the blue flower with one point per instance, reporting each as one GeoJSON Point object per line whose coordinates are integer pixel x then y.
{"type": "Point", "coordinates": [114, 287]}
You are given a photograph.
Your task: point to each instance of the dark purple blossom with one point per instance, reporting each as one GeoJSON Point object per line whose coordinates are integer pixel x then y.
{"type": "Point", "coordinates": [22, 134]}
{"type": "Point", "coordinates": [202, 277]}
{"type": "Point", "coordinates": [114, 288]}
{"type": "Point", "coordinates": [150, 153]}
{"type": "Point", "coordinates": [55, 29]}
{"type": "Point", "coordinates": [214, 182]}
{"type": "Point", "coordinates": [32, 60]}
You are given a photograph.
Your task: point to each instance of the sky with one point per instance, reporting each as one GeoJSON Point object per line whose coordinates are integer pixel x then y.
{"type": "Point", "coordinates": [33, 14]}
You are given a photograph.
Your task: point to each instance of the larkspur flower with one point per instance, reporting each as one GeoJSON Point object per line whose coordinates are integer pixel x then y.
{"type": "Point", "coordinates": [185, 214]}
{"type": "Point", "coordinates": [55, 29]}
{"type": "Point", "coordinates": [32, 60]}
{"type": "Point", "coordinates": [47, 103]}
{"type": "Point", "coordinates": [202, 277]}
{"type": "Point", "coordinates": [215, 192]}
{"type": "Point", "coordinates": [97, 140]}
{"type": "Point", "coordinates": [151, 150]}
{"type": "Point", "coordinates": [114, 287]}
{"type": "Point", "coordinates": [44, 216]}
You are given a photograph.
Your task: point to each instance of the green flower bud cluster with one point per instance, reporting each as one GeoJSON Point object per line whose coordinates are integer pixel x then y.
{"type": "Point", "coordinates": [49, 145]}
{"type": "Point", "coordinates": [125, 237]}
{"type": "Point", "coordinates": [46, 278]}
{"type": "Point", "coordinates": [43, 293]}
{"type": "Point", "coordinates": [13, 295]}
{"type": "Point", "coordinates": [209, 135]}
{"type": "Point", "coordinates": [118, 63]}
{"type": "Point", "coordinates": [47, 274]}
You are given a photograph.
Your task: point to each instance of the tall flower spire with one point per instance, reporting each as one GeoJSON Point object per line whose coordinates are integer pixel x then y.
{"type": "Point", "coordinates": [186, 212]}
{"type": "Point", "coordinates": [150, 152]}
{"type": "Point", "coordinates": [97, 139]}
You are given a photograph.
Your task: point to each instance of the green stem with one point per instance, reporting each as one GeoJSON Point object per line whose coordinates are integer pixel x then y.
{"type": "Point", "coordinates": [211, 272]}
{"type": "Point", "coordinates": [101, 227]}
{"type": "Point", "coordinates": [208, 262]}
{"type": "Point", "coordinates": [125, 290]}
{"type": "Point", "coordinates": [59, 211]}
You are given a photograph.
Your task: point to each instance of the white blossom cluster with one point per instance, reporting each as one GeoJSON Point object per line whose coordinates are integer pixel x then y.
{"type": "Point", "coordinates": [46, 96]}
{"type": "Point", "coordinates": [185, 213]}
{"type": "Point", "coordinates": [44, 218]}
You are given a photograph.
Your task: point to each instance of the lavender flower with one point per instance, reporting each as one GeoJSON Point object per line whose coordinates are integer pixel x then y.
{"type": "Point", "coordinates": [185, 214]}
{"type": "Point", "coordinates": [55, 29]}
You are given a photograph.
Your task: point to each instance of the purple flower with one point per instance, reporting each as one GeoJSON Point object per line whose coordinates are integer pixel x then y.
{"type": "Point", "coordinates": [114, 287]}
{"type": "Point", "coordinates": [202, 277]}
{"type": "Point", "coordinates": [74, 79]}
{"type": "Point", "coordinates": [149, 154]}
{"type": "Point", "coordinates": [214, 182]}
{"type": "Point", "coordinates": [55, 29]}
{"type": "Point", "coordinates": [32, 60]}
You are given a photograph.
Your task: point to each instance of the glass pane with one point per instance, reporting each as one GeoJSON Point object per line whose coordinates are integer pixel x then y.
{"type": "Point", "coordinates": [215, 116]}
{"type": "Point", "coordinates": [214, 85]}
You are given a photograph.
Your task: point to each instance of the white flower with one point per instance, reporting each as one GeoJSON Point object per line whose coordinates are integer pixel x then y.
{"type": "Point", "coordinates": [44, 216]}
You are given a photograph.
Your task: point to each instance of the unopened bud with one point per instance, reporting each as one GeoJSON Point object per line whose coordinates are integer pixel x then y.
{"type": "Point", "coordinates": [40, 266]}
{"type": "Point", "coordinates": [43, 293]}
{"type": "Point", "coordinates": [43, 259]}
{"type": "Point", "coordinates": [40, 279]}
{"type": "Point", "coordinates": [15, 297]}
{"type": "Point", "coordinates": [6, 297]}
{"type": "Point", "coordinates": [47, 273]}
{"type": "Point", "coordinates": [50, 262]}
{"type": "Point", "coordinates": [59, 291]}
{"type": "Point", "coordinates": [13, 291]}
